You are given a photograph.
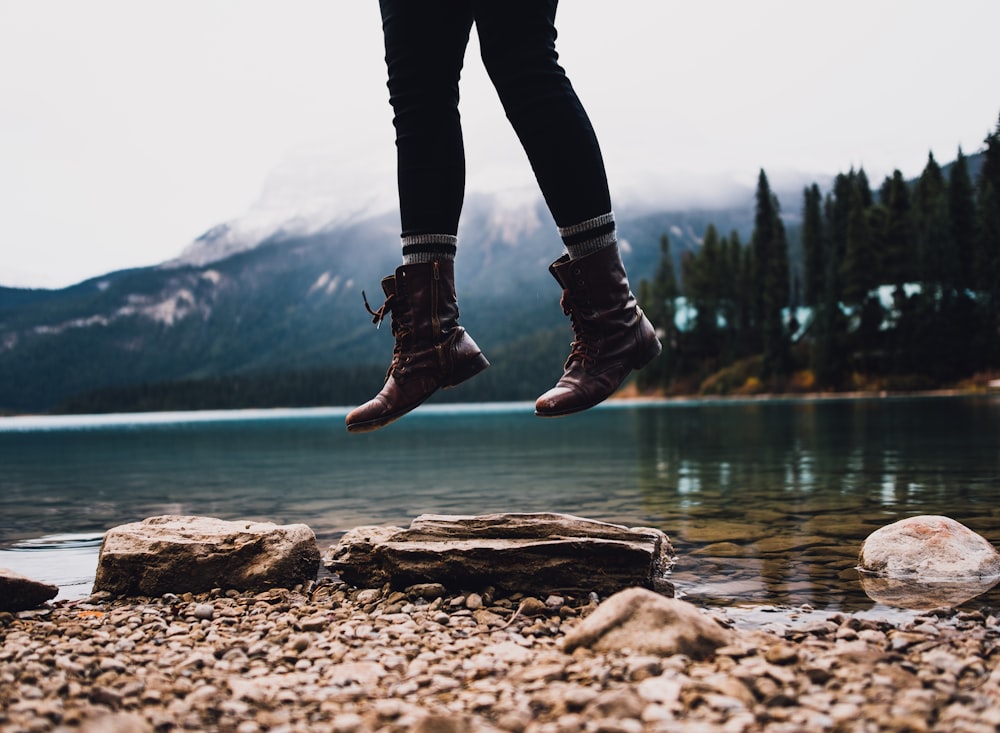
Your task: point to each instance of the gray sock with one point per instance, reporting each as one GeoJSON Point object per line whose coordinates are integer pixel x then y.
{"type": "Point", "coordinates": [428, 247]}
{"type": "Point", "coordinates": [589, 236]}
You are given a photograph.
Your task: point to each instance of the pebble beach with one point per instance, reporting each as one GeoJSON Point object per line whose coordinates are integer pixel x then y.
{"type": "Point", "coordinates": [326, 656]}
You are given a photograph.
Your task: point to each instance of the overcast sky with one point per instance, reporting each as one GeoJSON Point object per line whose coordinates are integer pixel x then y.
{"type": "Point", "coordinates": [129, 127]}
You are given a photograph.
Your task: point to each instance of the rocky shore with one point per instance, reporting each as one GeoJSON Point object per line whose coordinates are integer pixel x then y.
{"type": "Point", "coordinates": [326, 656]}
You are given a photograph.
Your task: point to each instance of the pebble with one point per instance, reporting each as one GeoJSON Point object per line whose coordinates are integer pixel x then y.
{"type": "Point", "coordinates": [425, 660]}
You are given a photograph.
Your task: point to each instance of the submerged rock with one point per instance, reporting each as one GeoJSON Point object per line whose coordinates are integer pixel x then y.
{"type": "Point", "coordinates": [644, 622]}
{"type": "Point", "coordinates": [176, 554]}
{"type": "Point", "coordinates": [929, 548]}
{"type": "Point", "coordinates": [529, 551]}
{"type": "Point", "coordinates": [20, 593]}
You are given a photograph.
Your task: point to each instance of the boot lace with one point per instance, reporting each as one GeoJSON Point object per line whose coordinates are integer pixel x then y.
{"type": "Point", "coordinates": [379, 315]}
{"type": "Point", "coordinates": [585, 344]}
{"type": "Point", "coordinates": [399, 328]}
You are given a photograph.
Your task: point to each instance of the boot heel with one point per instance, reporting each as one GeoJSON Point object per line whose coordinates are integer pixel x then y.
{"type": "Point", "coordinates": [474, 367]}
{"type": "Point", "coordinates": [466, 359]}
{"type": "Point", "coordinates": [648, 354]}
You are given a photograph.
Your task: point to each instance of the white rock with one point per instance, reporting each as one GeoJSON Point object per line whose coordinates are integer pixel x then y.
{"type": "Point", "coordinates": [929, 548]}
{"type": "Point", "coordinates": [663, 690]}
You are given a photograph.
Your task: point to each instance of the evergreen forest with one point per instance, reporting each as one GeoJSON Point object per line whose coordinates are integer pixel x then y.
{"type": "Point", "coordinates": [897, 289]}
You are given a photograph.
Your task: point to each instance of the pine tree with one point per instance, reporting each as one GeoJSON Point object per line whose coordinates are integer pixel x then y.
{"type": "Point", "coordinates": [877, 215]}
{"type": "Point", "coordinates": [934, 351]}
{"type": "Point", "coordinates": [960, 311]}
{"type": "Point", "coordinates": [837, 214]}
{"type": "Point", "coordinates": [658, 301]}
{"type": "Point", "coordinates": [987, 251]}
{"type": "Point", "coordinates": [702, 288]}
{"type": "Point", "coordinates": [748, 337]}
{"type": "Point", "coordinates": [897, 233]}
{"type": "Point", "coordinates": [728, 279]}
{"type": "Point", "coordinates": [987, 257]}
{"type": "Point", "coordinates": [962, 213]}
{"type": "Point", "coordinates": [936, 261]}
{"type": "Point", "coordinates": [864, 189]}
{"type": "Point", "coordinates": [857, 268]}
{"type": "Point", "coordinates": [813, 244]}
{"type": "Point", "coordinates": [826, 355]}
{"type": "Point", "coordinates": [771, 270]}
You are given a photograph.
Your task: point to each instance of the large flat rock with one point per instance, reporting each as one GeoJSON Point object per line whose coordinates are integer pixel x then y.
{"type": "Point", "coordinates": [516, 552]}
{"type": "Point", "coordinates": [178, 554]}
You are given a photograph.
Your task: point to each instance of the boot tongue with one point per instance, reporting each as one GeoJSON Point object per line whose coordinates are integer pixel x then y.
{"type": "Point", "coordinates": [557, 268]}
{"type": "Point", "coordinates": [401, 321]}
{"type": "Point", "coordinates": [389, 285]}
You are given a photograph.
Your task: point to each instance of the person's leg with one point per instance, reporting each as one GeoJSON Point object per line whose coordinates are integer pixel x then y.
{"type": "Point", "coordinates": [613, 336]}
{"type": "Point", "coordinates": [518, 44]}
{"type": "Point", "coordinates": [424, 48]}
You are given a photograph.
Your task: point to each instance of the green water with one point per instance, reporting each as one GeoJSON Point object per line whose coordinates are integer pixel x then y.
{"type": "Point", "coordinates": [766, 502]}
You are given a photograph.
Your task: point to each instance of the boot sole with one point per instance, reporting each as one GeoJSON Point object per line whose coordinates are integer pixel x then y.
{"type": "Point", "coordinates": [647, 356]}
{"type": "Point", "coordinates": [370, 426]}
{"type": "Point", "coordinates": [477, 365]}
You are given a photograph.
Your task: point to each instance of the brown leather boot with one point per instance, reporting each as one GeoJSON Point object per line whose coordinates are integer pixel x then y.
{"type": "Point", "coordinates": [613, 336]}
{"type": "Point", "coordinates": [431, 352]}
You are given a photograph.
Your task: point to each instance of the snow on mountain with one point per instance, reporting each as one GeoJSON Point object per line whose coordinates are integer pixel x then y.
{"type": "Point", "coordinates": [312, 190]}
{"type": "Point", "coordinates": [318, 189]}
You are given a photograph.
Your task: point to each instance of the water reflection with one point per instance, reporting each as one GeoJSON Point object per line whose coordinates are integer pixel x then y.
{"type": "Point", "coordinates": [771, 501]}
{"type": "Point", "coordinates": [905, 593]}
{"type": "Point", "coordinates": [766, 502]}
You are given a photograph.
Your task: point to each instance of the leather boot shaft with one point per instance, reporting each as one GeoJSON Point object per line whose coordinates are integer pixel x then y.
{"type": "Point", "coordinates": [612, 334]}
{"type": "Point", "coordinates": [427, 292]}
{"type": "Point", "coordinates": [597, 290]}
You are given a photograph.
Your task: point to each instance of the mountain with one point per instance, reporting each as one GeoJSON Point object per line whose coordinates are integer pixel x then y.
{"type": "Point", "coordinates": [291, 301]}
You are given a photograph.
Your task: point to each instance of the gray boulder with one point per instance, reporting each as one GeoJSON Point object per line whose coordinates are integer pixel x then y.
{"type": "Point", "coordinates": [929, 548]}
{"type": "Point", "coordinates": [176, 554]}
{"type": "Point", "coordinates": [643, 622]}
{"type": "Point", "coordinates": [19, 593]}
{"type": "Point", "coordinates": [515, 552]}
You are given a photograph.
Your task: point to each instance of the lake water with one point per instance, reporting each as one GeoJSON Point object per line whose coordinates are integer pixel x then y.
{"type": "Point", "coordinates": [766, 502]}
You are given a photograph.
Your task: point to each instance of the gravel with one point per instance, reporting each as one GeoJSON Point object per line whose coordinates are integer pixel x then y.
{"type": "Point", "coordinates": [329, 657]}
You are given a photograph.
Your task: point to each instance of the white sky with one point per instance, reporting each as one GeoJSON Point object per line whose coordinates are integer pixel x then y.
{"type": "Point", "coordinates": [128, 128]}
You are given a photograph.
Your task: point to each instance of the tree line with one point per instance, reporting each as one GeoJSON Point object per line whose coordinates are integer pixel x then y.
{"type": "Point", "coordinates": [898, 289]}
{"type": "Point", "coordinates": [522, 369]}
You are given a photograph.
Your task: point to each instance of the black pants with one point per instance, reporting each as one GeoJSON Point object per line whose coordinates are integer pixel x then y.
{"type": "Point", "coordinates": [425, 43]}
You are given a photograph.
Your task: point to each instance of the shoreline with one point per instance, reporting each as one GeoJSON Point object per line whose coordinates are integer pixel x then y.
{"type": "Point", "coordinates": [627, 394]}
{"type": "Point", "coordinates": [327, 656]}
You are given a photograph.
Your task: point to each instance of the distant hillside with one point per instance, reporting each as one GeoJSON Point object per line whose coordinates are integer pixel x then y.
{"type": "Point", "coordinates": [293, 303]}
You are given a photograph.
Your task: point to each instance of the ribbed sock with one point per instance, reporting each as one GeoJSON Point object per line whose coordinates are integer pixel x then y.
{"type": "Point", "coordinates": [589, 236]}
{"type": "Point", "coordinates": [428, 247]}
